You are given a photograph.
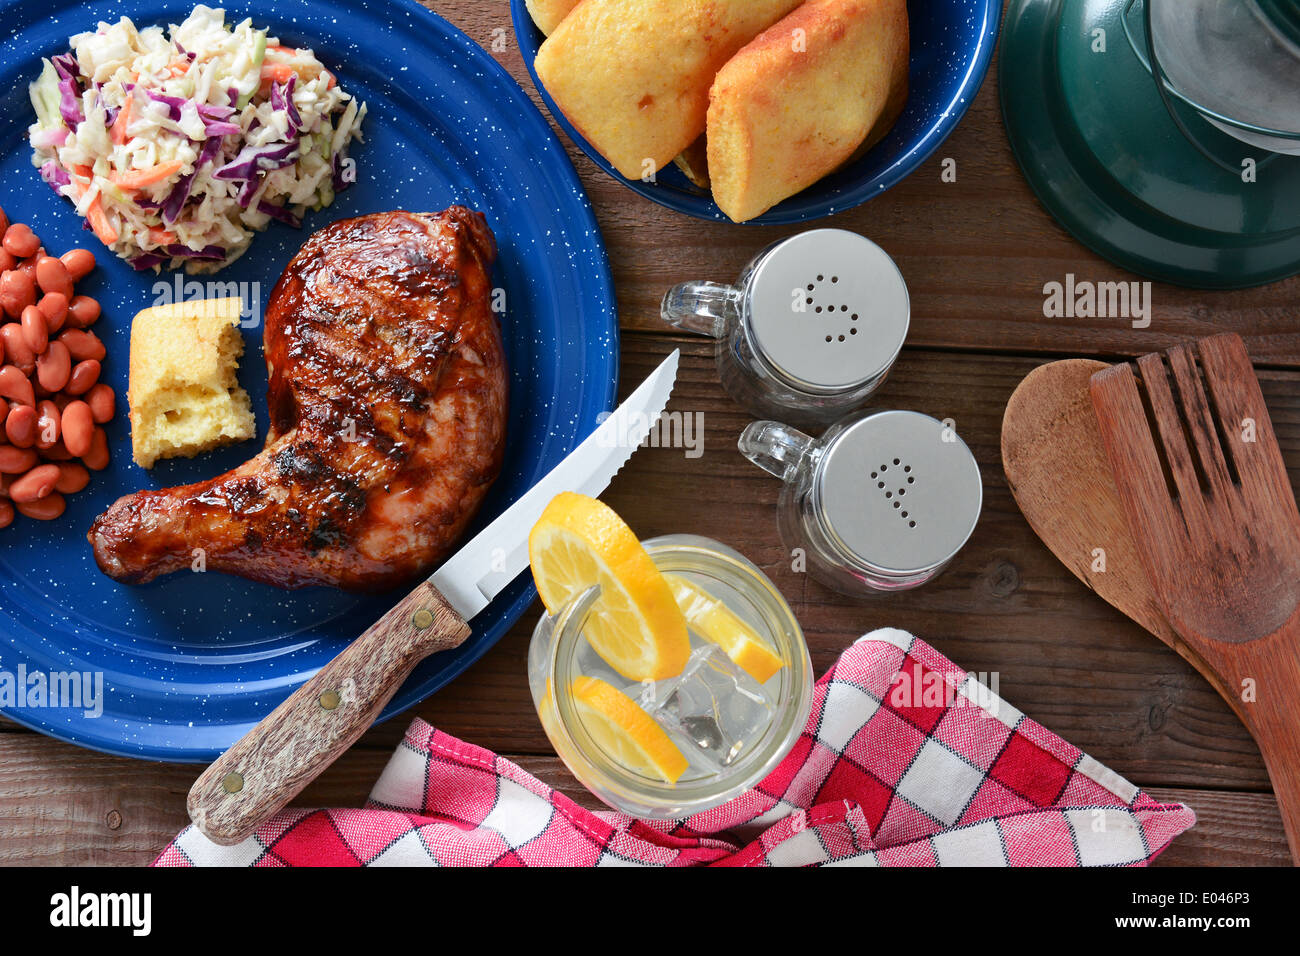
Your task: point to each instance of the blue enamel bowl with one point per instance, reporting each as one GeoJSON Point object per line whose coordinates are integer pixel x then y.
{"type": "Point", "coordinates": [952, 45]}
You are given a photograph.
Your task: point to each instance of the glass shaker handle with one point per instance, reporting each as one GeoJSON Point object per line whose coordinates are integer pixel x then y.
{"type": "Point", "coordinates": [777, 449]}
{"type": "Point", "coordinates": [704, 308]}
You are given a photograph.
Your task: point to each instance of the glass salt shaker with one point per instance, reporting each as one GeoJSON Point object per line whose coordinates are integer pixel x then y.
{"type": "Point", "coordinates": [811, 328]}
{"type": "Point", "coordinates": [881, 502]}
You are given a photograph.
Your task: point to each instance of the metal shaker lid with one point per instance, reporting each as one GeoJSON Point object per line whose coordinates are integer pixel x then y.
{"type": "Point", "coordinates": [828, 310]}
{"type": "Point", "coordinates": [898, 491]}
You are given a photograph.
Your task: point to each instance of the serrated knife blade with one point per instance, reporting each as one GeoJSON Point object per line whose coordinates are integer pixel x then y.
{"type": "Point", "coordinates": [483, 567]}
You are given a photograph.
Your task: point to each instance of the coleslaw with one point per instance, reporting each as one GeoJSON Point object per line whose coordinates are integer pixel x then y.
{"type": "Point", "coordinates": [177, 146]}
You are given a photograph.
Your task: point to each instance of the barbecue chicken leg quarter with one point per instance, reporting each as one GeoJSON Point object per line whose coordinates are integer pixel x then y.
{"type": "Point", "coordinates": [388, 413]}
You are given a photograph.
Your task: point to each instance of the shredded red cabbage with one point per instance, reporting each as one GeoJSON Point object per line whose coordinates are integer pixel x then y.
{"type": "Point", "coordinates": [340, 184]}
{"type": "Point", "coordinates": [219, 113]}
{"type": "Point", "coordinates": [147, 260]}
{"type": "Point", "coordinates": [173, 103]}
{"type": "Point", "coordinates": [175, 201]}
{"type": "Point", "coordinates": [70, 102]}
{"type": "Point", "coordinates": [279, 213]}
{"type": "Point", "coordinates": [181, 251]}
{"type": "Point", "coordinates": [254, 159]}
{"type": "Point", "coordinates": [219, 129]}
{"type": "Point", "coordinates": [282, 99]}
{"type": "Point", "coordinates": [65, 65]}
{"type": "Point", "coordinates": [247, 191]}
{"type": "Point", "coordinates": [55, 175]}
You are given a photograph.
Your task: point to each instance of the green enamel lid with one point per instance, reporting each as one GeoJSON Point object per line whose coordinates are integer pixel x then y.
{"type": "Point", "coordinates": [1097, 146]}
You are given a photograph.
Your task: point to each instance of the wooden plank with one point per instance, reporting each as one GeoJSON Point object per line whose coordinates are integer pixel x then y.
{"type": "Point", "coordinates": [61, 806]}
{"type": "Point", "coordinates": [1232, 829]}
{"type": "Point", "coordinates": [976, 253]}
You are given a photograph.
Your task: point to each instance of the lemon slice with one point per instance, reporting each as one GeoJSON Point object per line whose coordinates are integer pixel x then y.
{"type": "Point", "coordinates": [635, 624]}
{"type": "Point", "coordinates": [718, 624]}
{"type": "Point", "coordinates": [626, 732]}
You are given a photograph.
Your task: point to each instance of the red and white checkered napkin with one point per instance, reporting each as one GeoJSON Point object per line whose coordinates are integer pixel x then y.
{"type": "Point", "coordinates": [906, 761]}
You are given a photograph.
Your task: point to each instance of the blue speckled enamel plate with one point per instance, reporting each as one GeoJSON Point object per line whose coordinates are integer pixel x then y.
{"type": "Point", "coordinates": [192, 661]}
{"type": "Point", "coordinates": [952, 45]}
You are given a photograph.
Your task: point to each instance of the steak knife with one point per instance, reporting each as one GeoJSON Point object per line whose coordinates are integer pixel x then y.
{"type": "Point", "coordinates": [273, 762]}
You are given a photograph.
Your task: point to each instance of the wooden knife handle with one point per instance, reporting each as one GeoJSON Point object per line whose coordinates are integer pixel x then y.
{"type": "Point", "coordinates": [273, 762]}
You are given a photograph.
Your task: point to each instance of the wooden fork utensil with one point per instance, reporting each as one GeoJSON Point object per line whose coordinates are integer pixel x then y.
{"type": "Point", "coordinates": [1207, 496]}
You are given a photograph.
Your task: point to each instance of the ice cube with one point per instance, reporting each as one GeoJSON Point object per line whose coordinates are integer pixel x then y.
{"type": "Point", "coordinates": [713, 709]}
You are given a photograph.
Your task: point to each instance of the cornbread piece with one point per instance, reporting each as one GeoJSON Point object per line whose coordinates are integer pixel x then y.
{"type": "Point", "coordinates": [633, 76]}
{"type": "Point", "coordinates": [183, 394]}
{"type": "Point", "coordinates": [692, 161]}
{"type": "Point", "coordinates": [547, 14]}
{"type": "Point", "coordinates": [796, 103]}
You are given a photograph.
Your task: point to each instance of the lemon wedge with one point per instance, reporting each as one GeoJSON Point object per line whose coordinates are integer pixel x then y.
{"type": "Point", "coordinates": [718, 624]}
{"type": "Point", "coordinates": [626, 732]}
{"type": "Point", "coordinates": [635, 624]}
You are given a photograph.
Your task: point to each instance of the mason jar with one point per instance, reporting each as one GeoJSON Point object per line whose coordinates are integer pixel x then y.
{"type": "Point", "coordinates": [731, 743]}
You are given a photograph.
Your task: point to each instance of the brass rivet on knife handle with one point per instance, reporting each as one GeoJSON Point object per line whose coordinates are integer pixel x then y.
{"type": "Point", "coordinates": [274, 761]}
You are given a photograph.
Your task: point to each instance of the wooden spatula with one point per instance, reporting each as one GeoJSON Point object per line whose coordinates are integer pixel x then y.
{"type": "Point", "coordinates": [1060, 477]}
{"type": "Point", "coordinates": [1211, 508]}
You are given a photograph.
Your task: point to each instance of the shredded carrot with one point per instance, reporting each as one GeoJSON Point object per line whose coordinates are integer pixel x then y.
{"type": "Point", "coordinates": [161, 236]}
{"type": "Point", "coordinates": [278, 72]}
{"type": "Point", "coordinates": [137, 178]}
{"type": "Point", "coordinates": [98, 220]}
{"type": "Point", "coordinates": [118, 132]}
{"type": "Point", "coordinates": [85, 171]}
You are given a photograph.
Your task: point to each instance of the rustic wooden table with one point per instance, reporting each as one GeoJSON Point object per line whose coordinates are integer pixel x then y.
{"type": "Point", "coordinates": [976, 253]}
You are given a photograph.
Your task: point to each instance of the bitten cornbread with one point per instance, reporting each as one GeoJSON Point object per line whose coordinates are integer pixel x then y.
{"type": "Point", "coordinates": [798, 101]}
{"type": "Point", "coordinates": [633, 76]}
{"type": "Point", "coordinates": [183, 393]}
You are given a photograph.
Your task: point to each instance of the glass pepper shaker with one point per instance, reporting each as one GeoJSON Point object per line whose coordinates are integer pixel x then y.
{"type": "Point", "coordinates": [811, 328]}
{"type": "Point", "coordinates": [881, 502]}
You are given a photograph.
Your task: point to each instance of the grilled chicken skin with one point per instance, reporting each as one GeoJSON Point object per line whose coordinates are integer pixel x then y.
{"type": "Point", "coordinates": [388, 409]}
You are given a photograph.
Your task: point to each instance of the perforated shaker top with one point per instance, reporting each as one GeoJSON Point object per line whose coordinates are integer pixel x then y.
{"type": "Point", "coordinates": [828, 309]}
{"type": "Point", "coordinates": [900, 491]}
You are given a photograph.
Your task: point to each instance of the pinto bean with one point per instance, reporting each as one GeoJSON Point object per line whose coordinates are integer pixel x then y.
{"type": "Point", "coordinates": [78, 428]}
{"type": "Point", "coordinates": [54, 367]}
{"type": "Point", "coordinates": [78, 262]}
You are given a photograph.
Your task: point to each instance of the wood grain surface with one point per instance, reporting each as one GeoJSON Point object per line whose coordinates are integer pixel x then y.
{"type": "Point", "coordinates": [976, 254]}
